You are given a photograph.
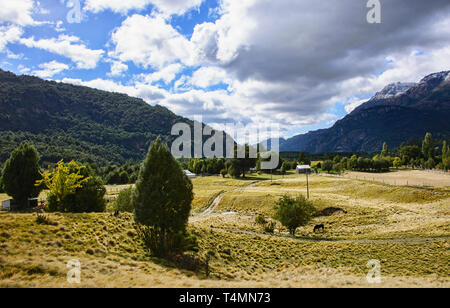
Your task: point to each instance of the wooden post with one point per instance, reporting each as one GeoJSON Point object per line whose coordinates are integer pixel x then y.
{"type": "Point", "coordinates": [307, 184]}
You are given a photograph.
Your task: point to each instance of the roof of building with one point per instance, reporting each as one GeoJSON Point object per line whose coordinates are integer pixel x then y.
{"type": "Point", "coordinates": [303, 167]}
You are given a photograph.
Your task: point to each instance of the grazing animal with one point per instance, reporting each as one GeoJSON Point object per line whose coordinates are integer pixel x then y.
{"type": "Point", "coordinates": [116, 214]}
{"type": "Point", "coordinates": [319, 227]}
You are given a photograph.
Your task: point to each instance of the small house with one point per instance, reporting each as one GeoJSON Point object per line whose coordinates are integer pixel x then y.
{"type": "Point", "coordinates": [190, 174]}
{"type": "Point", "coordinates": [303, 169]}
{"type": "Point", "coordinates": [6, 205]}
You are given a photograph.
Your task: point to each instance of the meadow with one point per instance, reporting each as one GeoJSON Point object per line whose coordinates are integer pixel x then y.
{"type": "Point", "coordinates": [406, 228]}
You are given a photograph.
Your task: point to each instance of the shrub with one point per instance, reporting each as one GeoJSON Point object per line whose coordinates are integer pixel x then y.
{"type": "Point", "coordinates": [123, 202]}
{"type": "Point", "coordinates": [270, 227]}
{"type": "Point", "coordinates": [293, 213]}
{"type": "Point", "coordinates": [87, 197]}
{"type": "Point", "coordinates": [41, 219]}
{"type": "Point", "coordinates": [260, 220]}
{"type": "Point", "coordinates": [223, 172]}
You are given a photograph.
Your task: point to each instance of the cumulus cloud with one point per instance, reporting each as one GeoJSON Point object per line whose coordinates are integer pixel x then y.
{"type": "Point", "coordinates": [118, 68]}
{"type": "Point", "coordinates": [67, 46]}
{"type": "Point", "coordinates": [169, 7]}
{"type": "Point", "coordinates": [291, 61]}
{"type": "Point", "coordinates": [50, 69]}
{"type": "Point", "coordinates": [151, 94]}
{"type": "Point", "coordinates": [166, 74]}
{"type": "Point", "coordinates": [17, 12]}
{"type": "Point", "coordinates": [209, 76]}
{"type": "Point", "coordinates": [149, 41]}
{"type": "Point", "coordinates": [9, 34]}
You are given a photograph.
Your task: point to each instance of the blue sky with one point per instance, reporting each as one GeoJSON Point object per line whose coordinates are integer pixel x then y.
{"type": "Point", "coordinates": [300, 64]}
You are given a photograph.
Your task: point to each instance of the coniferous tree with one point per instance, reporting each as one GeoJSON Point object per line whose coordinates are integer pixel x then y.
{"type": "Point", "coordinates": [427, 147]}
{"type": "Point", "coordinates": [20, 173]}
{"type": "Point", "coordinates": [444, 151]}
{"type": "Point", "coordinates": [385, 150]}
{"type": "Point", "coordinates": [162, 201]}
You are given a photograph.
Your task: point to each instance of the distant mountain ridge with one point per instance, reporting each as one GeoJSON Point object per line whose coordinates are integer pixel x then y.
{"type": "Point", "coordinates": [79, 123]}
{"type": "Point", "coordinates": [399, 112]}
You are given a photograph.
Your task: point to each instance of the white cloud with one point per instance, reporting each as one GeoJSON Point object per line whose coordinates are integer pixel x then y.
{"type": "Point", "coordinates": [166, 74]}
{"type": "Point", "coordinates": [168, 7]}
{"type": "Point", "coordinates": [151, 94]}
{"type": "Point", "coordinates": [67, 46]}
{"type": "Point", "coordinates": [150, 41]}
{"type": "Point", "coordinates": [9, 34]}
{"type": "Point", "coordinates": [50, 69]}
{"type": "Point", "coordinates": [17, 12]}
{"type": "Point", "coordinates": [209, 76]}
{"type": "Point", "coordinates": [118, 68]}
{"type": "Point", "coordinates": [291, 61]}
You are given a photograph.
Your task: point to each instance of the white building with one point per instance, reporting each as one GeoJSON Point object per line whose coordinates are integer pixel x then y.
{"type": "Point", "coordinates": [303, 169]}
{"type": "Point", "coordinates": [6, 205]}
{"type": "Point", "coordinates": [190, 174]}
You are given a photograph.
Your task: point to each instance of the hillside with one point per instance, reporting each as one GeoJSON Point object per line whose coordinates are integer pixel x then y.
{"type": "Point", "coordinates": [396, 114]}
{"type": "Point", "coordinates": [79, 123]}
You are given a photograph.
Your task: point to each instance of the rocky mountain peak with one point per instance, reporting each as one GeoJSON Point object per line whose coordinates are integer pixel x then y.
{"type": "Point", "coordinates": [393, 90]}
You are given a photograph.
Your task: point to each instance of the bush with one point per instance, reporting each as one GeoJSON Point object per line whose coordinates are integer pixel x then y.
{"type": "Point", "coordinates": [223, 172]}
{"type": "Point", "coordinates": [86, 199]}
{"type": "Point", "coordinates": [260, 220]}
{"type": "Point", "coordinates": [41, 219]}
{"type": "Point", "coordinates": [270, 227]}
{"type": "Point", "coordinates": [123, 202]}
{"type": "Point", "coordinates": [293, 213]}
{"type": "Point", "coordinates": [233, 172]}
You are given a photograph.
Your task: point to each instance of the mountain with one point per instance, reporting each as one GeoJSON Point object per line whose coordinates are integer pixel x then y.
{"type": "Point", "coordinates": [78, 123]}
{"type": "Point", "coordinates": [398, 113]}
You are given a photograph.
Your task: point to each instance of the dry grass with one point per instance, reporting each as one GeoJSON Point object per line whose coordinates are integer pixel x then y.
{"type": "Point", "coordinates": [406, 228]}
{"type": "Point", "coordinates": [406, 178]}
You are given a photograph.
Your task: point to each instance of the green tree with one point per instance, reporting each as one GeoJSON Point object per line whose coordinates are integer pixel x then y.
{"type": "Point", "coordinates": [123, 202]}
{"type": "Point", "coordinates": [293, 213]}
{"type": "Point", "coordinates": [283, 168]}
{"type": "Point", "coordinates": [410, 153]}
{"type": "Point", "coordinates": [327, 165]}
{"type": "Point", "coordinates": [445, 153]}
{"type": "Point", "coordinates": [240, 166]}
{"type": "Point", "coordinates": [64, 180]}
{"type": "Point", "coordinates": [427, 147]}
{"type": "Point", "coordinates": [397, 162]}
{"type": "Point", "coordinates": [430, 164]}
{"type": "Point", "coordinates": [303, 160]}
{"type": "Point", "coordinates": [385, 150]}
{"type": "Point", "coordinates": [89, 197]}
{"type": "Point", "coordinates": [162, 201]}
{"type": "Point", "coordinates": [20, 173]}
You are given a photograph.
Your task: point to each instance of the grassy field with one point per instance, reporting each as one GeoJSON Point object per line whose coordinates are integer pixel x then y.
{"type": "Point", "coordinates": [406, 228]}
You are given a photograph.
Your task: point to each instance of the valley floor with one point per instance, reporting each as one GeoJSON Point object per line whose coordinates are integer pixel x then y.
{"type": "Point", "coordinates": [407, 229]}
